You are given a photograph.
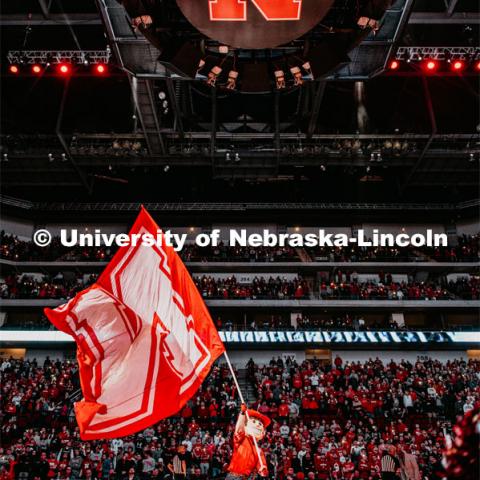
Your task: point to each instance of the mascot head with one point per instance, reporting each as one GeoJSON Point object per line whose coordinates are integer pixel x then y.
{"type": "Point", "coordinates": [256, 424]}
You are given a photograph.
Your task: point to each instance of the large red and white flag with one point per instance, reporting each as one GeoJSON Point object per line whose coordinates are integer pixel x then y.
{"type": "Point", "coordinates": [145, 339]}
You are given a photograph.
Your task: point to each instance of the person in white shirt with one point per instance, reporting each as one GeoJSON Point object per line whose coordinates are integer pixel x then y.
{"type": "Point", "coordinates": [468, 405]}
{"type": "Point", "coordinates": [294, 410]}
{"type": "Point", "coordinates": [5, 364]}
{"type": "Point", "coordinates": [285, 430]}
{"type": "Point", "coordinates": [117, 443]}
{"type": "Point", "coordinates": [407, 401]}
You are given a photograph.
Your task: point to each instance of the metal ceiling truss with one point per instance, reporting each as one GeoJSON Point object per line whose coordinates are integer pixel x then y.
{"type": "Point", "coordinates": [437, 53]}
{"type": "Point", "coordinates": [92, 19]}
{"type": "Point", "coordinates": [222, 206]}
{"type": "Point", "coordinates": [143, 96]}
{"type": "Point", "coordinates": [139, 57]}
{"type": "Point", "coordinates": [371, 56]}
{"type": "Point", "coordinates": [44, 57]}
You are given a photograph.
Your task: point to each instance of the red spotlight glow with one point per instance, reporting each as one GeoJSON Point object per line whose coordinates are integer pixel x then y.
{"type": "Point", "coordinates": [64, 68]}
{"type": "Point", "coordinates": [36, 69]}
{"type": "Point", "coordinates": [477, 66]}
{"type": "Point", "coordinates": [394, 64]}
{"type": "Point", "coordinates": [100, 68]}
{"type": "Point", "coordinates": [458, 65]}
{"type": "Point", "coordinates": [13, 69]}
{"type": "Point", "coordinates": [431, 65]}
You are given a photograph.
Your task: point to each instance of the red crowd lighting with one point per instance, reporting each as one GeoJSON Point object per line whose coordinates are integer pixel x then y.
{"type": "Point", "coordinates": [431, 65]}
{"type": "Point", "coordinates": [64, 68]}
{"type": "Point", "coordinates": [458, 65]}
{"type": "Point", "coordinates": [13, 69]}
{"type": "Point", "coordinates": [100, 68]}
{"type": "Point", "coordinates": [394, 64]}
{"type": "Point", "coordinates": [36, 69]}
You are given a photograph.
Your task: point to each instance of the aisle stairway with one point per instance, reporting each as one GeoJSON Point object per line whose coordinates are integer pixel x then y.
{"type": "Point", "coordinates": [246, 386]}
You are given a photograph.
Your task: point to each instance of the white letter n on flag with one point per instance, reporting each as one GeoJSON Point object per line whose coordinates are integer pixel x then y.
{"type": "Point", "coordinates": [145, 339]}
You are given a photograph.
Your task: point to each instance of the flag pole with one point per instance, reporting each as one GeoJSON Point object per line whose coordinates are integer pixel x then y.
{"type": "Point", "coordinates": [227, 358]}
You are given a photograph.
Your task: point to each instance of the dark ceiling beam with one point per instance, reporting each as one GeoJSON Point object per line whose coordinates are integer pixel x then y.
{"type": "Point", "coordinates": [45, 8]}
{"type": "Point", "coordinates": [54, 19]}
{"type": "Point", "coordinates": [41, 184]}
{"type": "Point", "coordinates": [451, 7]}
{"type": "Point", "coordinates": [276, 108]}
{"type": "Point", "coordinates": [213, 131]}
{"type": "Point", "coordinates": [441, 183]}
{"type": "Point", "coordinates": [94, 18]}
{"type": "Point", "coordinates": [18, 165]}
{"type": "Point", "coordinates": [58, 130]}
{"type": "Point", "coordinates": [437, 164]}
{"type": "Point", "coordinates": [413, 137]}
{"type": "Point", "coordinates": [443, 18]}
{"type": "Point", "coordinates": [433, 124]}
{"type": "Point", "coordinates": [178, 121]}
{"type": "Point", "coordinates": [317, 102]}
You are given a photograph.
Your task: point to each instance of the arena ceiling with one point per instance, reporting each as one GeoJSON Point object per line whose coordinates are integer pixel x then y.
{"type": "Point", "coordinates": [358, 132]}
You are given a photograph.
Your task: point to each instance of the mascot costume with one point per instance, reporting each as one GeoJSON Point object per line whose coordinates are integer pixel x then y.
{"type": "Point", "coordinates": [247, 457]}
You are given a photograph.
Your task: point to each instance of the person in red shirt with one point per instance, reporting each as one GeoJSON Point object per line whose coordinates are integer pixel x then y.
{"type": "Point", "coordinates": [322, 466]}
{"type": "Point", "coordinates": [245, 458]}
{"type": "Point", "coordinates": [283, 410]}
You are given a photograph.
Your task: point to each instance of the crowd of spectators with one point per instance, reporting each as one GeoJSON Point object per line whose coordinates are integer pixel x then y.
{"type": "Point", "coordinates": [465, 288]}
{"type": "Point", "coordinates": [63, 286]}
{"type": "Point", "coordinates": [259, 288]}
{"type": "Point", "coordinates": [58, 286]}
{"type": "Point", "coordinates": [330, 421]}
{"type": "Point", "coordinates": [304, 322]}
{"type": "Point", "coordinates": [467, 250]}
{"type": "Point", "coordinates": [347, 322]}
{"type": "Point", "coordinates": [12, 248]}
{"type": "Point", "coordinates": [273, 322]}
{"type": "Point", "coordinates": [363, 254]}
{"type": "Point", "coordinates": [225, 253]}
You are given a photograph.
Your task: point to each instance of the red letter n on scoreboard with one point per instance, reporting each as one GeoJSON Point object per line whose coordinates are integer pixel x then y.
{"type": "Point", "coordinates": [272, 10]}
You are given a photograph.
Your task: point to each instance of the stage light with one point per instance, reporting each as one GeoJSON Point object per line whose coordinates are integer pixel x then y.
{"type": "Point", "coordinates": [232, 80]}
{"type": "Point", "coordinates": [36, 69]}
{"type": "Point", "coordinates": [458, 65]}
{"type": "Point", "coordinates": [394, 64]}
{"type": "Point", "coordinates": [431, 65]}
{"type": "Point", "coordinates": [64, 68]}
{"type": "Point", "coordinates": [280, 79]}
{"type": "Point", "coordinates": [166, 168]}
{"type": "Point", "coordinates": [213, 75]}
{"type": "Point", "coordinates": [307, 67]}
{"type": "Point", "coordinates": [477, 65]}
{"type": "Point", "coordinates": [297, 76]}
{"type": "Point", "coordinates": [13, 69]}
{"type": "Point", "coordinates": [100, 68]}
{"type": "Point", "coordinates": [51, 157]}
{"type": "Point", "coordinates": [237, 157]}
